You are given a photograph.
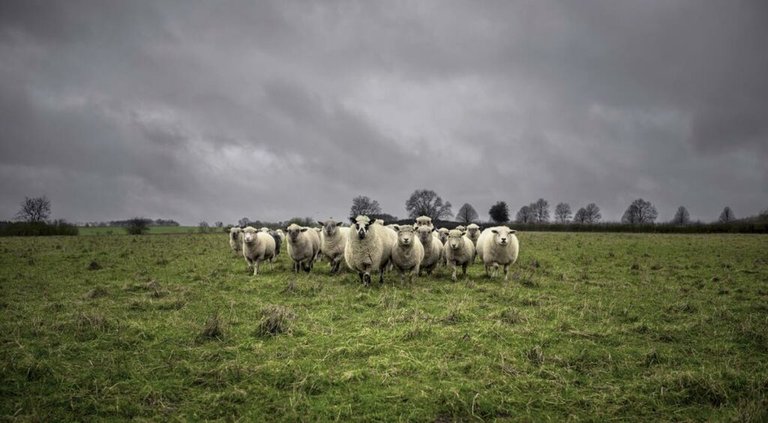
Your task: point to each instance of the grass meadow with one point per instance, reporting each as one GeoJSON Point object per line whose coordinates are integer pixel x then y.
{"type": "Point", "coordinates": [591, 326]}
{"type": "Point", "coordinates": [154, 230]}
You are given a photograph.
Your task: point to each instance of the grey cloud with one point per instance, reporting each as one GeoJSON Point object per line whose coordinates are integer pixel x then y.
{"type": "Point", "coordinates": [295, 108]}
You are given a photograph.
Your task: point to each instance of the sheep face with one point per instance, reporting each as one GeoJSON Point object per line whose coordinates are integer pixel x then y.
{"type": "Point", "coordinates": [294, 231]}
{"type": "Point", "coordinates": [473, 231]}
{"type": "Point", "coordinates": [234, 234]}
{"type": "Point", "coordinates": [423, 221]}
{"type": "Point", "coordinates": [454, 239]}
{"type": "Point", "coordinates": [361, 226]}
{"type": "Point", "coordinates": [502, 236]}
{"type": "Point", "coordinates": [405, 235]}
{"type": "Point", "coordinates": [249, 236]}
{"type": "Point", "coordinates": [443, 234]}
{"type": "Point", "coordinates": [330, 227]}
{"type": "Point", "coordinates": [424, 233]}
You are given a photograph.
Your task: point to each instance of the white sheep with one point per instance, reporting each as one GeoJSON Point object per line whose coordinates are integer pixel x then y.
{"type": "Point", "coordinates": [423, 221]}
{"type": "Point", "coordinates": [333, 239]}
{"type": "Point", "coordinates": [303, 246]}
{"type": "Point", "coordinates": [264, 229]}
{"type": "Point", "coordinates": [236, 240]}
{"type": "Point", "coordinates": [433, 249]}
{"type": "Point", "coordinates": [257, 247]}
{"type": "Point", "coordinates": [442, 235]}
{"type": "Point", "coordinates": [281, 234]}
{"type": "Point", "coordinates": [369, 248]}
{"type": "Point", "coordinates": [407, 253]}
{"type": "Point", "coordinates": [458, 251]}
{"type": "Point", "coordinates": [461, 228]}
{"type": "Point", "coordinates": [473, 233]}
{"type": "Point", "coordinates": [498, 246]}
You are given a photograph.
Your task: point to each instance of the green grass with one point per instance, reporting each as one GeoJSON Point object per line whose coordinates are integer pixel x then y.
{"type": "Point", "coordinates": [591, 327]}
{"type": "Point", "coordinates": [111, 230]}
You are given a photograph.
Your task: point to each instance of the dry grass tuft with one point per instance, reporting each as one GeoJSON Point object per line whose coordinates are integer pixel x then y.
{"type": "Point", "coordinates": [97, 292]}
{"type": "Point", "coordinates": [213, 329]}
{"type": "Point", "coordinates": [275, 320]}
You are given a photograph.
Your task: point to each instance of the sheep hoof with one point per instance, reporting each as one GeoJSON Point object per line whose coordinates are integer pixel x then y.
{"type": "Point", "coordinates": [366, 279]}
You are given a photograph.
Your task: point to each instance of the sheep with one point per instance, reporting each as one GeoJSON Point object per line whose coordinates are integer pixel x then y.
{"type": "Point", "coordinates": [236, 240]}
{"type": "Point", "coordinates": [257, 247]}
{"type": "Point", "coordinates": [264, 229]}
{"type": "Point", "coordinates": [303, 246]}
{"type": "Point", "coordinates": [433, 249]}
{"type": "Point", "coordinates": [407, 253]}
{"type": "Point", "coordinates": [423, 221]}
{"type": "Point", "coordinates": [332, 243]}
{"type": "Point", "coordinates": [498, 246]}
{"type": "Point", "coordinates": [278, 241]}
{"type": "Point", "coordinates": [461, 228]}
{"type": "Point", "coordinates": [473, 233]}
{"type": "Point", "coordinates": [369, 248]}
{"type": "Point", "coordinates": [459, 251]}
{"type": "Point", "coordinates": [281, 234]}
{"type": "Point", "coordinates": [442, 235]}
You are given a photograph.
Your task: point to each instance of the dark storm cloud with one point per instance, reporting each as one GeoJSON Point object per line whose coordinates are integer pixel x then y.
{"type": "Point", "coordinates": [218, 110]}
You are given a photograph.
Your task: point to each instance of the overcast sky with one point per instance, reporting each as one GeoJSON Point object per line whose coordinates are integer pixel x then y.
{"type": "Point", "coordinates": [218, 110]}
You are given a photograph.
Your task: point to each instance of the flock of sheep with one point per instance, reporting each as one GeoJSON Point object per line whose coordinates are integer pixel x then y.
{"type": "Point", "coordinates": [368, 246]}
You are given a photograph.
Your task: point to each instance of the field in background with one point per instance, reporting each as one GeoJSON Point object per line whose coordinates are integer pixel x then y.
{"type": "Point", "coordinates": [112, 230]}
{"type": "Point", "coordinates": [591, 327]}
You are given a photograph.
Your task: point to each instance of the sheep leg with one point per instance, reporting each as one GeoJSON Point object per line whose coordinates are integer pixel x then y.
{"type": "Point", "coordinates": [506, 272]}
{"type": "Point", "coordinates": [366, 278]}
{"type": "Point", "coordinates": [256, 268]}
{"type": "Point", "coordinates": [381, 276]}
{"type": "Point", "coordinates": [453, 266]}
{"type": "Point", "coordinates": [464, 269]}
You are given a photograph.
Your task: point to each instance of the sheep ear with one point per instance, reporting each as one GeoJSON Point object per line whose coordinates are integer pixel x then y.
{"type": "Point", "coordinates": [352, 219]}
{"type": "Point", "coordinates": [320, 223]}
{"type": "Point", "coordinates": [494, 231]}
{"type": "Point", "coordinates": [396, 228]}
{"type": "Point", "coordinates": [304, 229]}
{"type": "Point", "coordinates": [512, 231]}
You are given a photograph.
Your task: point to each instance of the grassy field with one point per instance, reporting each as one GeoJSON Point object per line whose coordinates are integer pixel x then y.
{"type": "Point", "coordinates": [110, 230]}
{"type": "Point", "coordinates": [591, 327]}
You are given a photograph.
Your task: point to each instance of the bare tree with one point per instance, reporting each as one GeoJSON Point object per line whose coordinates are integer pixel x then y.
{"type": "Point", "coordinates": [219, 224]}
{"type": "Point", "coordinates": [592, 213]}
{"type": "Point", "coordinates": [580, 216]}
{"type": "Point", "coordinates": [727, 215]}
{"type": "Point", "coordinates": [562, 212]}
{"type": "Point", "coordinates": [639, 212]}
{"type": "Point", "coordinates": [243, 222]}
{"type": "Point", "coordinates": [540, 211]}
{"type": "Point", "coordinates": [499, 212]}
{"type": "Point", "coordinates": [524, 215]}
{"type": "Point", "coordinates": [362, 205]}
{"type": "Point", "coordinates": [138, 225]}
{"type": "Point", "coordinates": [681, 217]}
{"type": "Point", "coordinates": [467, 214]}
{"type": "Point", "coordinates": [34, 210]}
{"type": "Point", "coordinates": [427, 203]}
{"type": "Point", "coordinates": [203, 226]}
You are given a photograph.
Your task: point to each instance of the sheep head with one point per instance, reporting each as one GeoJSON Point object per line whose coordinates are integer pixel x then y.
{"type": "Point", "coordinates": [361, 224]}
{"type": "Point", "coordinates": [405, 235]}
{"type": "Point", "coordinates": [502, 235]}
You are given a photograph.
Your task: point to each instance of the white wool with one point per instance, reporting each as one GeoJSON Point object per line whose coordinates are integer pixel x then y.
{"type": "Point", "coordinates": [372, 252]}
{"type": "Point", "coordinates": [407, 253]}
{"type": "Point", "coordinates": [257, 247]}
{"type": "Point", "coordinates": [498, 246]}
{"type": "Point", "coordinates": [303, 246]}
{"type": "Point", "coordinates": [458, 251]}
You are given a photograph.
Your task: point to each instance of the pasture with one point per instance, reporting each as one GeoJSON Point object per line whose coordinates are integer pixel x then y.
{"type": "Point", "coordinates": [590, 327]}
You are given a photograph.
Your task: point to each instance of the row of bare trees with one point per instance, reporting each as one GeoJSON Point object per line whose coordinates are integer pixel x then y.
{"type": "Point", "coordinates": [428, 203]}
